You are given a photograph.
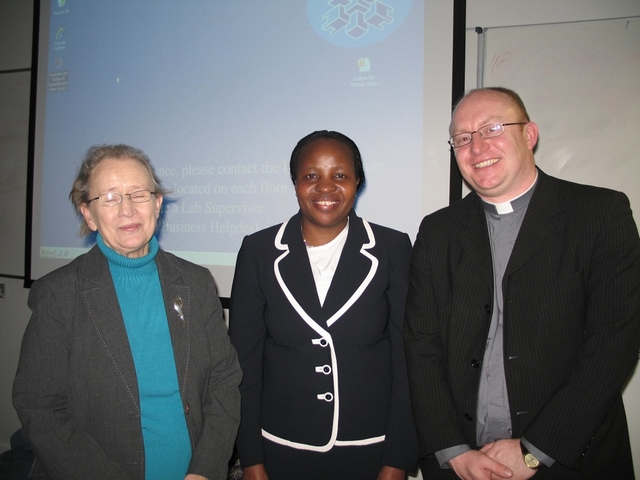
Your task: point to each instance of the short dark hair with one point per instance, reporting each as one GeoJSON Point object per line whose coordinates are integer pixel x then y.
{"type": "Point", "coordinates": [95, 155]}
{"type": "Point", "coordinates": [328, 135]}
{"type": "Point", "coordinates": [513, 97]}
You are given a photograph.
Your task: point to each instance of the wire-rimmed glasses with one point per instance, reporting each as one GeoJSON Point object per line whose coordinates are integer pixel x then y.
{"type": "Point", "coordinates": [487, 131]}
{"type": "Point", "coordinates": [111, 199]}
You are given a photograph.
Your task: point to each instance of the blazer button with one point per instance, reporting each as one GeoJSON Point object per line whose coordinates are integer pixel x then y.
{"type": "Point", "coordinates": [327, 397]}
{"type": "Point", "coordinates": [326, 369]}
{"type": "Point", "coordinates": [475, 363]}
{"type": "Point", "coordinates": [468, 417]}
{"type": "Point", "coordinates": [323, 342]}
{"type": "Point", "coordinates": [487, 309]}
{"type": "Point", "coordinates": [186, 409]}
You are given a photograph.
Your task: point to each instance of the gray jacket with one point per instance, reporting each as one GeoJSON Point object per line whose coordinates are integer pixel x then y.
{"type": "Point", "coordinates": [75, 389]}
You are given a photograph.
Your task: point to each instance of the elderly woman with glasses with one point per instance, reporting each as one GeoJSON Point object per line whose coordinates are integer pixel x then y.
{"type": "Point", "coordinates": [126, 369]}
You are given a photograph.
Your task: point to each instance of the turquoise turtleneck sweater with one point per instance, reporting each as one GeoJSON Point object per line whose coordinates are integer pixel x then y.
{"type": "Point", "coordinates": [164, 430]}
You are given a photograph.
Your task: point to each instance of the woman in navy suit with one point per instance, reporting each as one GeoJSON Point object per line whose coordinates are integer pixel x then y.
{"type": "Point", "coordinates": [316, 317]}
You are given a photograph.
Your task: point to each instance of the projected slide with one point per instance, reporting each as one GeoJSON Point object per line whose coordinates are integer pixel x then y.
{"type": "Point", "coordinates": [217, 93]}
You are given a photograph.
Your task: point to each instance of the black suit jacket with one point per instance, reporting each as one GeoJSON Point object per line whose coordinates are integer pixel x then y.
{"type": "Point", "coordinates": [76, 390]}
{"type": "Point", "coordinates": [571, 326]}
{"type": "Point", "coordinates": [319, 376]}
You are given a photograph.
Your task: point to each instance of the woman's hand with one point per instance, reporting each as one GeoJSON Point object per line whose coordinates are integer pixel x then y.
{"type": "Point", "coordinates": [255, 472]}
{"type": "Point", "coordinates": [391, 473]}
{"type": "Point", "coordinates": [193, 476]}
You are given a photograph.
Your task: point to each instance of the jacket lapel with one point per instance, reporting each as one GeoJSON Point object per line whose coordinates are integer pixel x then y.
{"type": "Point", "coordinates": [474, 238]}
{"type": "Point", "coordinates": [538, 224]}
{"type": "Point", "coordinates": [355, 269]}
{"type": "Point", "coordinates": [295, 271]}
{"type": "Point", "coordinates": [178, 306]}
{"type": "Point", "coordinates": [100, 296]}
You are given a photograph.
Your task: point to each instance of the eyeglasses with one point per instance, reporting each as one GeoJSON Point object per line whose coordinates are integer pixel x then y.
{"type": "Point", "coordinates": [112, 199]}
{"type": "Point", "coordinates": [488, 131]}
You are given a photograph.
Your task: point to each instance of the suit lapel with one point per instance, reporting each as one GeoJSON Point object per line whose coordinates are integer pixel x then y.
{"type": "Point", "coordinates": [474, 238]}
{"type": "Point", "coordinates": [295, 270]}
{"type": "Point", "coordinates": [178, 306]}
{"type": "Point", "coordinates": [355, 270]}
{"type": "Point", "coordinates": [104, 310]}
{"type": "Point", "coordinates": [538, 224]}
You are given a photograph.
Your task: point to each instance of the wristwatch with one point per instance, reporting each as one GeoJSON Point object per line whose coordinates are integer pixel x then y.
{"type": "Point", "coordinates": [529, 458]}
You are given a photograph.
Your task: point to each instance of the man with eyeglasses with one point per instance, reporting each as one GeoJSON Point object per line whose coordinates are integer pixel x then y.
{"type": "Point", "coordinates": [523, 313]}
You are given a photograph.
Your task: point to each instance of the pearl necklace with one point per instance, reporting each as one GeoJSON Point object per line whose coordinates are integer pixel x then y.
{"type": "Point", "coordinates": [304, 240]}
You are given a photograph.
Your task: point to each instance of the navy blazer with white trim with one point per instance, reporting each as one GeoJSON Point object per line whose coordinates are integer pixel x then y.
{"type": "Point", "coordinates": [319, 376]}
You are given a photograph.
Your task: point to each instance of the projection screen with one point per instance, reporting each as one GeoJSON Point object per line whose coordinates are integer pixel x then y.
{"type": "Point", "coordinates": [218, 92]}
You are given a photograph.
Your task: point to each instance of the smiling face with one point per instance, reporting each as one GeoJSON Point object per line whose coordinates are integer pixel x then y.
{"type": "Point", "coordinates": [326, 188]}
{"type": "Point", "coordinates": [128, 227]}
{"type": "Point", "coordinates": [498, 168]}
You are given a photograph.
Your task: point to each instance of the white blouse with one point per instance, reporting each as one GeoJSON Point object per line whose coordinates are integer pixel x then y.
{"type": "Point", "coordinates": [324, 261]}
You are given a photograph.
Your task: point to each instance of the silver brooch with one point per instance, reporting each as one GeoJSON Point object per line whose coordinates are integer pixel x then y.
{"type": "Point", "coordinates": [177, 306]}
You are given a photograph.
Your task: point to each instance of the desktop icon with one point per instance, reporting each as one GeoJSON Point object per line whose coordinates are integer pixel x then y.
{"type": "Point", "coordinates": [364, 65]}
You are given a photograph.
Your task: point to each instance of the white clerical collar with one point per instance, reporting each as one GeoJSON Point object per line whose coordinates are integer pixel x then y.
{"type": "Point", "coordinates": [508, 206]}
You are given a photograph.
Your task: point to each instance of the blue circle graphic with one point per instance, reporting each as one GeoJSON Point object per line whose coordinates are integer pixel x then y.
{"type": "Point", "coordinates": [356, 23]}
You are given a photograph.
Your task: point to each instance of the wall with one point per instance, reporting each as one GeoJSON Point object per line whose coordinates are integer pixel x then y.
{"type": "Point", "coordinates": [16, 17]}
{"type": "Point", "coordinates": [14, 316]}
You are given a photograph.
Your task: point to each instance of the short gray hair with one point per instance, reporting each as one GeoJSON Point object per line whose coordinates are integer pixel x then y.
{"type": "Point", "coordinates": [95, 155]}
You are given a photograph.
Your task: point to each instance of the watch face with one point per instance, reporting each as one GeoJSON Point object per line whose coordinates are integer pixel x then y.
{"type": "Point", "coordinates": [531, 461]}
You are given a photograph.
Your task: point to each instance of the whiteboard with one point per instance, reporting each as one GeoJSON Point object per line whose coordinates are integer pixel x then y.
{"type": "Point", "coordinates": [579, 82]}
